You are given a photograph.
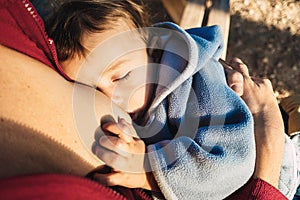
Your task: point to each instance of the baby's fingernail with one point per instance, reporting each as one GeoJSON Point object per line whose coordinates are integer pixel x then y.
{"type": "Point", "coordinates": [96, 151]}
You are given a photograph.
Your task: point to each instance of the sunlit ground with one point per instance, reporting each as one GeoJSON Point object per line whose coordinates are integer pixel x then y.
{"type": "Point", "coordinates": [266, 35]}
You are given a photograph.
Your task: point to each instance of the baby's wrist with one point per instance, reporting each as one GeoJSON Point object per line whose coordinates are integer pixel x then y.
{"type": "Point", "coordinates": [151, 183]}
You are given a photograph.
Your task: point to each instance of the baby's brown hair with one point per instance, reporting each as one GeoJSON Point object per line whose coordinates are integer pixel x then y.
{"type": "Point", "coordinates": [76, 17]}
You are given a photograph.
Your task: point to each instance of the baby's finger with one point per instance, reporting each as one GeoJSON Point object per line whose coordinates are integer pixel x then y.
{"type": "Point", "coordinates": [238, 65]}
{"type": "Point", "coordinates": [121, 129]}
{"type": "Point", "coordinates": [98, 133]}
{"type": "Point", "coordinates": [112, 127]}
{"type": "Point", "coordinates": [114, 144]}
{"type": "Point", "coordinates": [94, 146]}
{"type": "Point", "coordinates": [110, 158]}
{"type": "Point", "coordinates": [127, 130]}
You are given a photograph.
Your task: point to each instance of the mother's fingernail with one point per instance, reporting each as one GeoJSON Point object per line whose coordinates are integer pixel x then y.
{"type": "Point", "coordinates": [238, 89]}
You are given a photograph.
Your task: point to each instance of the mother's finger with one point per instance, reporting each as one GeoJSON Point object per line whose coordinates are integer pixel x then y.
{"type": "Point", "coordinates": [238, 65]}
{"type": "Point", "coordinates": [262, 82]}
{"type": "Point", "coordinates": [234, 78]}
{"type": "Point", "coordinates": [235, 81]}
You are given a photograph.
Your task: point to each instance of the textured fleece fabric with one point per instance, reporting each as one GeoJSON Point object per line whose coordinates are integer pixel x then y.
{"type": "Point", "coordinates": [202, 141]}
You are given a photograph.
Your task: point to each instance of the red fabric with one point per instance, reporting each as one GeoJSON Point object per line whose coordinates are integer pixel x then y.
{"type": "Point", "coordinates": [53, 187]}
{"type": "Point", "coordinates": [22, 29]}
{"type": "Point", "coordinates": [59, 186]}
{"type": "Point", "coordinates": [257, 189]}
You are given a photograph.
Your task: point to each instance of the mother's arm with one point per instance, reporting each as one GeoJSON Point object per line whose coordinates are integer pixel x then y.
{"type": "Point", "coordinates": [39, 128]}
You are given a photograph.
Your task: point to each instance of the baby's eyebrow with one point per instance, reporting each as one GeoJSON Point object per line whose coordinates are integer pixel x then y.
{"type": "Point", "coordinates": [116, 66]}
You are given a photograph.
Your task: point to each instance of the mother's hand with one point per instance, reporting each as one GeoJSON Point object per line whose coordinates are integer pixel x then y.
{"type": "Point", "coordinates": [268, 124]}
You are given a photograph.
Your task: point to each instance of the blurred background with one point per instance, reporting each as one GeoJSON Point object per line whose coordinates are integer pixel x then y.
{"type": "Point", "coordinates": [265, 34]}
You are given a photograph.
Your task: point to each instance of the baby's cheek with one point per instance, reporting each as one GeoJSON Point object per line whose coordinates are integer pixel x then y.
{"type": "Point", "coordinates": [137, 99]}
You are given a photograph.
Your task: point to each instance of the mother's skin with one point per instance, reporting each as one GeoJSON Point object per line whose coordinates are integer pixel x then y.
{"type": "Point", "coordinates": [38, 130]}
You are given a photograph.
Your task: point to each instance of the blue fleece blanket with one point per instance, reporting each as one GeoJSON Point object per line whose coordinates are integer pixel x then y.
{"type": "Point", "coordinates": [200, 133]}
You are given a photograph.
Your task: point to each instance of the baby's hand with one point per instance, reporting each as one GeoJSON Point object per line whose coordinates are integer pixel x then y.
{"type": "Point", "coordinates": [124, 153]}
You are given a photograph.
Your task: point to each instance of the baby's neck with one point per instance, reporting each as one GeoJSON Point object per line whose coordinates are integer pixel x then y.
{"type": "Point", "coordinates": [140, 118]}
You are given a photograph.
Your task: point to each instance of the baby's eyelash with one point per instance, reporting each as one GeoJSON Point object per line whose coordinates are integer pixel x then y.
{"type": "Point", "coordinates": [123, 78]}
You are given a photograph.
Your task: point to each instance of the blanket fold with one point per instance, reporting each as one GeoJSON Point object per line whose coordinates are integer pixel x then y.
{"type": "Point", "coordinates": [201, 135]}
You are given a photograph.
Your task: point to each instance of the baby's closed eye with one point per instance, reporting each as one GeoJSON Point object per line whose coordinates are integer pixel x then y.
{"type": "Point", "coordinates": [122, 77]}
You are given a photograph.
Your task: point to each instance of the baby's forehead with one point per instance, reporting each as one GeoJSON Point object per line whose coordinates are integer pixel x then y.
{"type": "Point", "coordinates": [134, 57]}
{"type": "Point", "coordinates": [114, 37]}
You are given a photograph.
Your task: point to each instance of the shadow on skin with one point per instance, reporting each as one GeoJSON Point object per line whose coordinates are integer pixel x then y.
{"type": "Point", "coordinates": [27, 151]}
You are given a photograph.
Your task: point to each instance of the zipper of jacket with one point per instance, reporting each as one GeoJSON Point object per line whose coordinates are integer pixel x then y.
{"type": "Point", "coordinates": [50, 43]}
{"type": "Point", "coordinates": [143, 194]}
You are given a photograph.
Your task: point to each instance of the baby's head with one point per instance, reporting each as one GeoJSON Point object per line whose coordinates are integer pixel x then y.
{"type": "Point", "coordinates": [80, 26]}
